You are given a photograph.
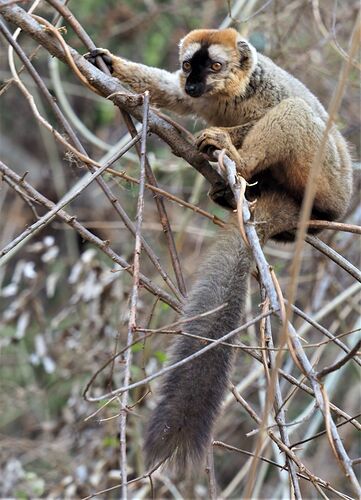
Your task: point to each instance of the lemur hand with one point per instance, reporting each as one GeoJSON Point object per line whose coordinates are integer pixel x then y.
{"type": "Point", "coordinates": [214, 138]}
{"type": "Point", "coordinates": [104, 54]}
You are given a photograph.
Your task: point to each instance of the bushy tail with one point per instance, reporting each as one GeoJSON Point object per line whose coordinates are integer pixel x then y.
{"type": "Point", "coordinates": [180, 427]}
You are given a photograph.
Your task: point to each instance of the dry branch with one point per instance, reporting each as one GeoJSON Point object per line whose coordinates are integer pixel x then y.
{"type": "Point", "coordinates": [183, 146]}
{"type": "Point", "coordinates": [132, 323]}
{"type": "Point", "coordinates": [109, 86]}
{"type": "Point", "coordinates": [88, 236]}
{"type": "Point", "coordinates": [272, 290]}
{"type": "Point", "coordinates": [80, 152]}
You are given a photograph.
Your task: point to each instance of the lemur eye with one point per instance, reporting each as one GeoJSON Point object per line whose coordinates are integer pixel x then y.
{"type": "Point", "coordinates": [216, 66]}
{"type": "Point", "coordinates": [186, 66]}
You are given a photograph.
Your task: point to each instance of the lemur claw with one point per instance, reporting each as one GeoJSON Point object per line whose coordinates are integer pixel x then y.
{"type": "Point", "coordinates": [214, 138]}
{"type": "Point", "coordinates": [99, 52]}
{"type": "Point", "coordinates": [211, 139]}
{"type": "Point", "coordinates": [252, 206]}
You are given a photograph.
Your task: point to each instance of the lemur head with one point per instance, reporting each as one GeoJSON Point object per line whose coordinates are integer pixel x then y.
{"type": "Point", "coordinates": [216, 62]}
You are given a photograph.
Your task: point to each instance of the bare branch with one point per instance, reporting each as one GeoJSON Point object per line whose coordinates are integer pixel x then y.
{"type": "Point", "coordinates": [325, 371]}
{"type": "Point", "coordinates": [79, 151]}
{"type": "Point", "coordinates": [333, 255]}
{"type": "Point", "coordinates": [109, 86]}
{"type": "Point", "coordinates": [87, 235]}
{"type": "Point", "coordinates": [132, 323]}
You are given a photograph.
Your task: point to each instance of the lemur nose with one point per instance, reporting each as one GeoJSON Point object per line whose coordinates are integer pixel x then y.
{"type": "Point", "coordinates": [194, 89]}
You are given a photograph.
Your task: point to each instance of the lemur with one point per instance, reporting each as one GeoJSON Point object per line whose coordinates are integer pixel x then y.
{"type": "Point", "coordinates": [271, 125]}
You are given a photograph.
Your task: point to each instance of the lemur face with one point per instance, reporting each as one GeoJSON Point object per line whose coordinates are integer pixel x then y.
{"type": "Point", "coordinates": [215, 62]}
{"type": "Point", "coordinates": [202, 66]}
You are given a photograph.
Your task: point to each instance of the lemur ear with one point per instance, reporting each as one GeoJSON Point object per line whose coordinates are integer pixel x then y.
{"type": "Point", "coordinates": [244, 50]}
{"type": "Point", "coordinates": [247, 55]}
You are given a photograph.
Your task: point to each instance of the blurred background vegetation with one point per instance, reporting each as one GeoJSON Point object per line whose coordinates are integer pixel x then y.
{"type": "Point", "coordinates": [63, 305]}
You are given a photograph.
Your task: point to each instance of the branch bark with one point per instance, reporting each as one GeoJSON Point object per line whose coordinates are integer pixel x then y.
{"type": "Point", "coordinates": [109, 86]}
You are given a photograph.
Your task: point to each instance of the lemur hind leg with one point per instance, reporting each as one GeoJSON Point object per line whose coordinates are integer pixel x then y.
{"type": "Point", "coordinates": [285, 141]}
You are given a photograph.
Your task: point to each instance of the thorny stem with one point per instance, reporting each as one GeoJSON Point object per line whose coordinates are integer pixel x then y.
{"type": "Point", "coordinates": [296, 350]}
{"type": "Point", "coordinates": [132, 324]}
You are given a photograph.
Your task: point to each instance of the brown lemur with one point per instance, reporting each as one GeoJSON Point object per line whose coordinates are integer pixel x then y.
{"type": "Point", "coordinates": [271, 126]}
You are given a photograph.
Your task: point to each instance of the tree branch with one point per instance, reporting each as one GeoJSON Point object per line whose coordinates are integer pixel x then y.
{"type": "Point", "coordinates": [109, 86]}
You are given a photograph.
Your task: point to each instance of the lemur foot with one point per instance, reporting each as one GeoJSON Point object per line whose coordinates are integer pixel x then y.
{"type": "Point", "coordinates": [104, 54]}
{"type": "Point", "coordinates": [214, 138]}
{"type": "Point", "coordinates": [222, 195]}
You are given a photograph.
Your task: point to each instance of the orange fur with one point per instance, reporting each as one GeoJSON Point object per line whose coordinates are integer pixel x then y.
{"type": "Point", "coordinates": [227, 37]}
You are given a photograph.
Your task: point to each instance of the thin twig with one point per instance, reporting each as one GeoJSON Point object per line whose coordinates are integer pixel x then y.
{"type": "Point", "coordinates": [111, 86]}
{"type": "Point", "coordinates": [27, 199]}
{"type": "Point", "coordinates": [297, 352]}
{"type": "Point", "coordinates": [84, 37]}
{"type": "Point", "coordinates": [132, 324]}
{"type": "Point", "coordinates": [335, 226]}
{"type": "Point", "coordinates": [37, 226]}
{"type": "Point", "coordinates": [314, 175]}
{"type": "Point", "coordinates": [80, 151]}
{"type": "Point", "coordinates": [333, 255]}
{"type": "Point", "coordinates": [324, 331]}
{"type": "Point", "coordinates": [183, 361]}
{"type": "Point", "coordinates": [329, 37]}
{"type": "Point", "coordinates": [329, 369]}
{"type": "Point", "coordinates": [322, 433]}
{"type": "Point", "coordinates": [163, 216]}
{"type": "Point", "coordinates": [148, 333]}
{"type": "Point", "coordinates": [277, 440]}
{"type": "Point", "coordinates": [146, 475]}
{"type": "Point", "coordinates": [88, 236]}
{"type": "Point", "coordinates": [214, 218]}
{"type": "Point", "coordinates": [322, 483]}
{"type": "Point", "coordinates": [237, 185]}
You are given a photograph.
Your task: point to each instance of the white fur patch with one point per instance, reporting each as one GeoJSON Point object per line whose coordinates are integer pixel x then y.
{"type": "Point", "coordinates": [189, 51]}
{"type": "Point", "coordinates": [218, 53]}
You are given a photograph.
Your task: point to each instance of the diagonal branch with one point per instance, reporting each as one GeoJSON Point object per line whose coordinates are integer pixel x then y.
{"type": "Point", "coordinates": [74, 139]}
{"type": "Point", "coordinates": [329, 369]}
{"type": "Point", "coordinates": [109, 86]}
{"type": "Point", "coordinates": [88, 236]}
{"type": "Point", "coordinates": [296, 350]}
{"type": "Point", "coordinates": [163, 216]}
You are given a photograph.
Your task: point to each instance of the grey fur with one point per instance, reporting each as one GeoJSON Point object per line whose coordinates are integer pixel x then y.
{"type": "Point", "coordinates": [181, 425]}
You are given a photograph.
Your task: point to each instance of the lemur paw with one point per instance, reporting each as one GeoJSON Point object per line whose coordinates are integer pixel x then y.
{"type": "Point", "coordinates": [211, 139]}
{"type": "Point", "coordinates": [214, 138]}
{"type": "Point", "coordinates": [104, 54]}
{"type": "Point", "coordinates": [222, 195]}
